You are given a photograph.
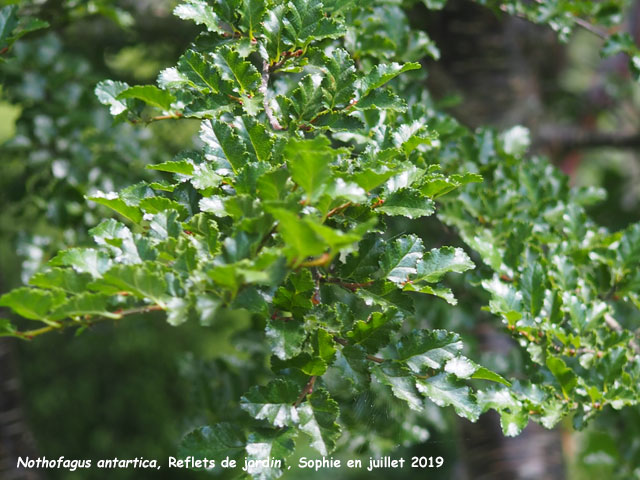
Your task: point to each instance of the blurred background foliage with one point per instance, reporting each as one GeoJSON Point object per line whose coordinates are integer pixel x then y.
{"type": "Point", "coordinates": [132, 389]}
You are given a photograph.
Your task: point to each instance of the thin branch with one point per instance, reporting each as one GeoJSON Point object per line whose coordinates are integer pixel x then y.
{"type": "Point", "coordinates": [265, 101]}
{"type": "Point", "coordinates": [613, 324]}
{"type": "Point", "coordinates": [350, 285]}
{"type": "Point", "coordinates": [338, 209]}
{"type": "Point", "coordinates": [591, 28]}
{"type": "Point", "coordinates": [30, 334]}
{"type": "Point", "coordinates": [172, 116]}
{"type": "Point", "coordinates": [308, 388]}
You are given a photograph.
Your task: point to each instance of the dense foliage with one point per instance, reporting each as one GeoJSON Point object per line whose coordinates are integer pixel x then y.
{"type": "Point", "coordinates": [290, 225]}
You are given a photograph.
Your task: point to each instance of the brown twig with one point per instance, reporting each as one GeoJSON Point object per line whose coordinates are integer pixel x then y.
{"type": "Point", "coordinates": [613, 324]}
{"type": "Point", "coordinates": [350, 285]}
{"type": "Point", "coordinates": [338, 209]}
{"type": "Point", "coordinates": [321, 261]}
{"type": "Point", "coordinates": [308, 388]}
{"type": "Point", "coordinates": [590, 28]}
{"type": "Point", "coordinates": [265, 101]}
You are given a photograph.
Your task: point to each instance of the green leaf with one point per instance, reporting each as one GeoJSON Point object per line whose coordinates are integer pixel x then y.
{"type": "Point", "coordinates": [307, 364]}
{"type": "Point", "coordinates": [223, 146]}
{"type": "Point", "coordinates": [33, 303]}
{"type": "Point", "coordinates": [149, 94]}
{"type": "Point", "coordinates": [113, 201]}
{"type": "Point", "coordinates": [273, 403]}
{"type": "Point", "coordinates": [513, 422]}
{"type": "Point", "coordinates": [107, 92]}
{"type": "Point", "coordinates": [318, 417]}
{"type": "Point", "coordinates": [207, 307]}
{"type": "Point", "coordinates": [532, 284]}
{"type": "Point", "coordinates": [299, 237]}
{"type": "Point", "coordinates": [8, 22]}
{"type": "Point", "coordinates": [143, 281]}
{"type": "Point", "coordinates": [402, 384]}
{"type": "Point", "coordinates": [265, 445]}
{"type": "Point", "coordinates": [339, 77]}
{"type": "Point", "coordinates": [306, 100]}
{"type": "Point", "coordinates": [443, 292]}
{"type": "Point", "coordinates": [201, 13]}
{"type": "Point", "coordinates": [256, 137]}
{"type": "Point", "coordinates": [91, 304]}
{"type": "Point", "coordinates": [381, 99]}
{"type": "Point", "coordinates": [427, 349]}
{"type": "Point", "coordinates": [251, 14]}
{"type": "Point", "coordinates": [61, 278]}
{"type": "Point", "coordinates": [566, 377]}
{"type": "Point", "coordinates": [161, 204]}
{"type": "Point", "coordinates": [445, 390]}
{"type": "Point", "coordinates": [400, 259]}
{"type": "Point", "coordinates": [382, 74]}
{"type": "Point", "coordinates": [409, 203]}
{"type": "Point", "coordinates": [7, 329]}
{"type": "Point", "coordinates": [285, 338]}
{"type": "Point", "coordinates": [439, 261]}
{"type": "Point", "coordinates": [216, 443]}
{"type": "Point", "coordinates": [195, 70]}
{"type": "Point", "coordinates": [305, 22]}
{"type": "Point", "coordinates": [376, 331]}
{"type": "Point", "coordinates": [177, 311]}
{"type": "Point", "coordinates": [83, 260]}
{"type": "Point", "coordinates": [234, 69]}
{"type": "Point", "coordinates": [352, 364]}
{"type": "Point", "coordinates": [483, 373]}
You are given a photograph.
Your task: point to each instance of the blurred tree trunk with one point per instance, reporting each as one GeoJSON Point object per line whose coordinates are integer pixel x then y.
{"type": "Point", "coordinates": [501, 66]}
{"type": "Point", "coordinates": [15, 437]}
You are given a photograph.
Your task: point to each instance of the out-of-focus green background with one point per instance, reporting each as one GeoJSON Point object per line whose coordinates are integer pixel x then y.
{"type": "Point", "coordinates": [132, 389]}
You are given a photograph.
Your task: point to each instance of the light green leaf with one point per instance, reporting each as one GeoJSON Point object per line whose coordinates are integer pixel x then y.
{"type": "Point", "coordinates": [143, 281]}
{"type": "Point", "coordinates": [439, 261]}
{"type": "Point", "coordinates": [236, 70]}
{"type": "Point", "coordinates": [402, 384]}
{"type": "Point", "coordinates": [265, 445]}
{"type": "Point", "coordinates": [94, 305]}
{"type": "Point", "coordinates": [308, 162]}
{"type": "Point", "coordinates": [33, 303]}
{"type": "Point", "coordinates": [318, 417]}
{"type": "Point", "coordinates": [107, 92]}
{"type": "Point", "coordinates": [273, 403]}
{"type": "Point", "coordinates": [177, 311]}
{"type": "Point", "coordinates": [375, 333]}
{"type": "Point", "coordinates": [61, 278]}
{"type": "Point", "coordinates": [399, 260]}
{"type": "Point", "coordinates": [113, 201]}
{"type": "Point", "coordinates": [285, 338]}
{"type": "Point", "coordinates": [149, 94]}
{"type": "Point", "coordinates": [83, 260]}
{"type": "Point", "coordinates": [200, 12]}
{"type": "Point", "coordinates": [251, 14]}
{"type": "Point", "coordinates": [216, 443]}
{"type": "Point", "coordinates": [427, 349]}
{"type": "Point", "coordinates": [445, 390]}
{"type": "Point", "coordinates": [381, 74]}
{"type": "Point", "coordinates": [223, 146]}
{"type": "Point", "coordinates": [409, 203]}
